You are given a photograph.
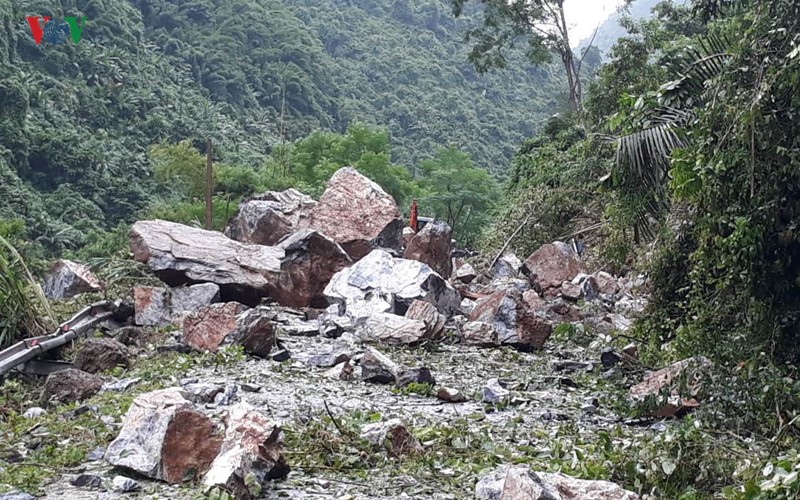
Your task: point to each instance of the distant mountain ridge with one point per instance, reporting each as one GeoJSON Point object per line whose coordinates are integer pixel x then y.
{"type": "Point", "coordinates": [610, 30]}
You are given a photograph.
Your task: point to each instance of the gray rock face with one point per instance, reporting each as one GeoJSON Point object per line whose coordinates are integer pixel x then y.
{"type": "Point", "coordinates": [68, 279]}
{"type": "Point", "coordinates": [432, 245]}
{"type": "Point", "coordinates": [251, 454]}
{"type": "Point", "coordinates": [164, 437]}
{"type": "Point", "coordinates": [268, 218]}
{"type": "Point", "coordinates": [357, 214]}
{"type": "Point", "coordinates": [179, 254]}
{"type": "Point", "coordinates": [156, 306]}
{"type": "Point", "coordinates": [388, 284]}
{"type": "Point", "coordinates": [518, 482]}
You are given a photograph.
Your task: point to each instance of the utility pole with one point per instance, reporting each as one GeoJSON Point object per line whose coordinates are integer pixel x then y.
{"type": "Point", "coordinates": [209, 187]}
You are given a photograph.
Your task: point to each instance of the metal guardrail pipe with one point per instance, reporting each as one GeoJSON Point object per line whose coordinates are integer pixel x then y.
{"type": "Point", "coordinates": [82, 322]}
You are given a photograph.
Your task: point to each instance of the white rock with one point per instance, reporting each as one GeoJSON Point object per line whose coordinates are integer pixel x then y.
{"type": "Point", "coordinates": [34, 412]}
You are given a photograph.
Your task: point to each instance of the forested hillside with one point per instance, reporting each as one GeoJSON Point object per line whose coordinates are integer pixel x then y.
{"type": "Point", "coordinates": [78, 120]}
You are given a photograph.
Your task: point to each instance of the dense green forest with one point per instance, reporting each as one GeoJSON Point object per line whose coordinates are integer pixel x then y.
{"type": "Point", "coordinates": [681, 159]}
{"type": "Point", "coordinates": [77, 121]}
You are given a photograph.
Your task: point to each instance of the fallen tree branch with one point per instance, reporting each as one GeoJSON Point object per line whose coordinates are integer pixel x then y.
{"type": "Point", "coordinates": [508, 241]}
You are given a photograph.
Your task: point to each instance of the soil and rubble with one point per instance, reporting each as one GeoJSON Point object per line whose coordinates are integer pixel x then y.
{"type": "Point", "coordinates": [307, 355]}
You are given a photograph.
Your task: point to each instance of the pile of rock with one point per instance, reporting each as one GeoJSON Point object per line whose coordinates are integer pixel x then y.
{"type": "Point", "coordinates": [165, 436]}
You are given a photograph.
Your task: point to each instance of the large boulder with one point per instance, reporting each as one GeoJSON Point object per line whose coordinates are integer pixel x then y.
{"type": "Point", "coordinates": [251, 453]}
{"type": "Point", "coordinates": [67, 279]}
{"type": "Point", "coordinates": [433, 246]}
{"type": "Point", "coordinates": [519, 482]}
{"type": "Point", "coordinates": [480, 334]}
{"type": "Point", "coordinates": [390, 285]}
{"type": "Point", "coordinates": [210, 327]}
{"type": "Point", "coordinates": [217, 325]}
{"type": "Point", "coordinates": [72, 385]}
{"type": "Point", "coordinates": [268, 218]}
{"type": "Point", "coordinates": [164, 437]}
{"type": "Point", "coordinates": [515, 322]}
{"type": "Point", "coordinates": [427, 313]}
{"type": "Point", "coordinates": [357, 214]}
{"type": "Point", "coordinates": [180, 254]}
{"type": "Point", "coordinates": [551, 265]}
{"type": "Point", "coordinates": [97, 355]}
{"type": "Point", "coordinates": [157, 306]}
{"type": "Point", "coordinates": [390, 329]}
{"type": "Point", "coordinates": [293, 273]}
{"type": "Point", "coordinates": [310, 261]}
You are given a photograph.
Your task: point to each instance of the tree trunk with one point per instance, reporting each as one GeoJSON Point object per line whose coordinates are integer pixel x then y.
{"type": "Point", "coordinates": [209, 189]}
{"type": "Point", "coordinates": [568, 58]}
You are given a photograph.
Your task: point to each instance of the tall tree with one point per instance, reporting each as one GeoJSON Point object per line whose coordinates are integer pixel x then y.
{"type": "Point", "coordinates": [541, 23]}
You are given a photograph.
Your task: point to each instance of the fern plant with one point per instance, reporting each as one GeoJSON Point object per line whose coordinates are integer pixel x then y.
{"type": "Point", "coordinates": [24, 310]}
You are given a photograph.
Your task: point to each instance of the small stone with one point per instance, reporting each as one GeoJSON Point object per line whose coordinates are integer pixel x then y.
{"type": "Point", "coordinates": [228, 397]}
{"type": "Point", "coordinates": [342, 371]}
{"type": "Point", "coordinates": [589, 409]}
{"type": "Point", "coordinates": [377, 367]}
{"type": "Point", "coordinates": [571, 291]}
{"type": "Point", "coordinates": [609, 358]}
{"type": "Point", "coordinates": [251, 387]}
{"type": "Point", "coordinates": [466, 274]}
{"type": "Point", "coordinates": [189, 380]}
{"type": "Point", "coordinates": [96, 454]}
{"type": "Point", "coordinates": [631, 351]}
{"type": "Point", "coordinates": [493, 392]}
{"type": "Point", "coordinates": [120, 385]}
{"type": "Point", "coordinates": [89, 481]}
{"type": "Point", "coordinates": [251, 453]}
{"type": "Point", "coordinates": [128, 335]}
{"type": "Point", "coordinates": [419, 375]}
{"type": "Point", "coordinates": [34, 412]}
{"type": "Point", "coordinates": [16, 495]}
{"type": "Point", "coordinates": [394, 434]}
{"type": "Point", "coordinates": [451, 395]}
{"type": "Point", "coordinates": [281, 355]}
{"type": "Point", "coordinates": [203, 392]}
{"type": "Point", "coordinates": [329, 359]}
{"type": "Point", "coordinates": [124, 484]}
